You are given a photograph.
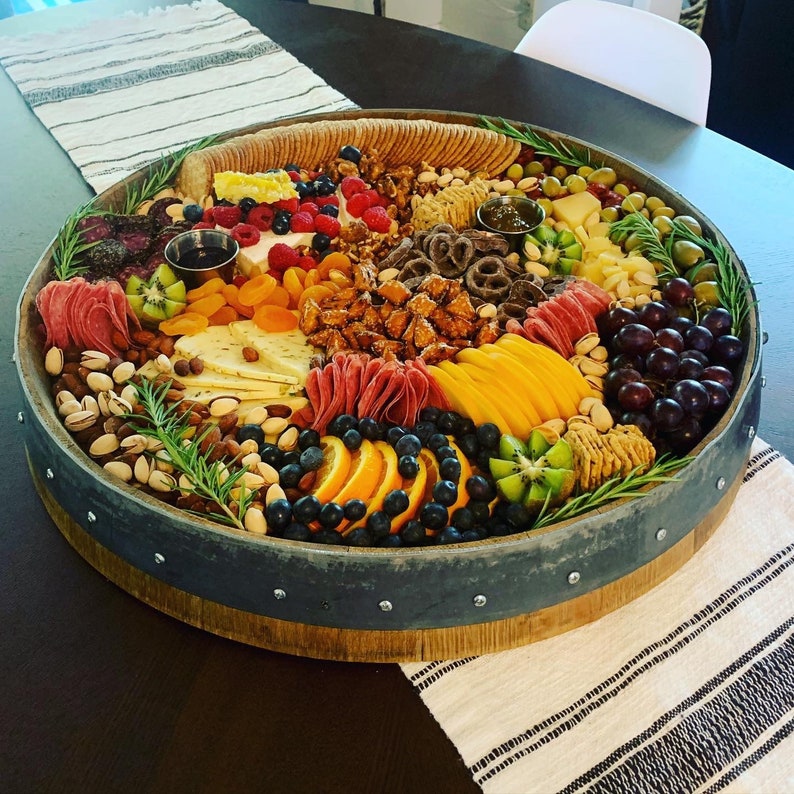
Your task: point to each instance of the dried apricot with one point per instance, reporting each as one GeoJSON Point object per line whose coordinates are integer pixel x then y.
{"type": "Point", "coordinates": [275, 318]}
{"type": "Point", "coordinates": [335, 261]}
{"type": "Point", "coordinates": [209, 305]}
{"type": "Point", "coordinates": [293, 283]}
{"type": "Point", "coordinates": [207, 288]}
{"type": "Point", "coordinates": [317, 293]}
{"type": "Point", "coordinates": [184, 324]}
{"type": "Point", "coordinates": [231, 293]}
{"type": "Point", "coordinates": [225, 315]}
{"type": "Point", "coordinates": [257, 289]}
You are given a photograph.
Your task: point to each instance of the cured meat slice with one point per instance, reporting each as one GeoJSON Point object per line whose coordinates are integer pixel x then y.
{"type": "Point", "coordinates": [581, 321]}
{"type": "Point", "coordinates": [591, 296]}
{"type": "Point", "coordinates": [559, 321]}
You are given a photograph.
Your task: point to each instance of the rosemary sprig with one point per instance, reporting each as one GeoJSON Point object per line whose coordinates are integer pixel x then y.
{"type": "Point", "coordinates": [649, 243]}
{"type": "Point", "coordinates": [731, 283]}
{"type": "Point", "coordinates": [628, 487]}
{"type": "Point", "coordinates": [565, 153]}
{"type": "Point", "coordinates": [68, 250]}
{"type": "Point", "coordinates": [161, 174]}
{"type": "Point", "coordinates": [210, 480]}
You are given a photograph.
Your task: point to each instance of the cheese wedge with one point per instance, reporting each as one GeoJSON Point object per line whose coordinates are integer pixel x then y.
{"type": "Point", "coordinates": [283, 351]}
{"type": "Point", "coordinates": [221, 352]}
{"type": "Point", "coordinates": [256, 255]}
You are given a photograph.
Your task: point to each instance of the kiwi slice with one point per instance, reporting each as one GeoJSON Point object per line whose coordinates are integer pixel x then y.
{"type": "Point", "coordinates": [535, 473]}
{"type": "Point", "coordinates": [157, 298]}
{"type": "Point", "coordinates": [559, 251]}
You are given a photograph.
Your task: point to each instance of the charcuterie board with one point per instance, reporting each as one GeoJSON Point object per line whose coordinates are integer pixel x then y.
{"type": "Point", "coordinates": [391, 431]}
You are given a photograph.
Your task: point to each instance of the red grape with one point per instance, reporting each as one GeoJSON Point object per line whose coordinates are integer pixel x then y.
{"type": "Point", "coordinates": [685, 436]}
{"type": "Point", "coordinates": [653, 314]}
{"type": "Point", "coordinates": [669, 337]}
{"type": "Point", "coordinates": [666, 414]}
{"type": "Point", "coordinates": [718, 321]}
{"type": "Point", "coordinates": [698, 338]}
{"type": "Point", "coordinates": [719, 396]}
{"type": "Point", "coordinates": [681, 324]}
{"type": "Point", "coordinates": [727, 349]}
{"type": "Point", "coordinates": [662, 362]}
{"type": "Point", "coordinates": [719, 375]}
{"type": "Point", "coordinates": [678, 291]}
{"type": "Point", "coordinates": [692, 396]}
{"type": "Point", "coordinates": [615, 378]}
{"type": "Point", "coordinates": [690, 368]}
{"type": "Point", "coordinates": [634, 396]}
{"type": "Point", "coordinates": [615, 319]}
{"type": "Point", "coordinates": [633, 338]}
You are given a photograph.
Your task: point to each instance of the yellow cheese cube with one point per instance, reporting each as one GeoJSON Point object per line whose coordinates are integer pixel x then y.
{"type": "Point", "coordinates": [575, 208]}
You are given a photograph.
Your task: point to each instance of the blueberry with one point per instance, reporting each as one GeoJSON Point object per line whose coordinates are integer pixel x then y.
{"type": "Point", "coordinates": [379, 524]}
{"type": "Point", "coordinates": [396, 502]}
{"type": "Point", "coordinates": [408, 444]}
{"type": "Point", "coordinates": [517, 516]}
{"type": "Point", "coordinates": [281, 223]}
{"type": "Point", "coordinates": [341, 424]}
{"type": "Point", "coordinates": [251, 432]}
{"type": "Point", "coordinates": [359, 537]}
{"type": "Point", "coordinates": [434, 515]}
{"type": "Point", "coordinates": [445, 492]}
{"type": "Point", "coordinates": [499, 529]}
{"type": "Point", "coordinates": [330, 209]}
{"type": "Point", "coordinates": [480, 512]}
{"type": "Point", "coordinates": [293, 456]}
{"type": "Point", "coordinates": [423, 430]}
{"type": "Point", "coordinates": [447, 422]}
{"type": "Point", "coordinates": [450, 469]}
{"type": "Point", "coordinates": [193, 212]}
{"type": "Point", "coordinates": [278, 513]}
{"type": "Point", "coordinates": [246, 204]}
{"type": "Point", "coordinates": [352, 438]}
{"type": "Point", "coordinates": [351, 153]}
{"type": "Point", "coordinates": [320, 241]}
{"type": "Point", "coordinates": [289, 476]}
{"type": "Point", "coordinates": [488, 435]}
{"type": "Point", "coordinates": [370, 428]}
{"type": "Point", "coordinates": [429, 413]}
{"type": "Point", "coordinates": [304, 189]}
{"type": "Point", "coordinates": [271, 454]}
{"type": "Point", "coordinates": [463, 518]}
{"type": "Point", "coordinates": [390, 542]}
{"type": "Point", "coordinates": [469, 445]}
{"type": "Point", "coordinates": [298, 531]}
{"type": "Point", "coordinates": [445, 451]}
{"type": "Point", "coordinates": [449, 535]}
{"type": "Point", "coordinates": [324, 187]}
{"type": "Point", "coordinates": [311, 459]}
{"type": "Point", "coordinates": [306, 509]}
{"type": "Point", "coordinates": [469, 535]}
{"type": "Point", "coordinates": [464, 426]}
{"type": "Point", "coordinates": [308, 438]}
{"type": "Point", "coordinates": [331, 515]}
{"type": "Point", "coordinates": [413, 533]}
{"type": "Point", "coordinates": [479, 488]}
{"type": "Point", "coordinates": [328, 537]}
{"type": "Point", "coordinates": [437, 440]}
{"type": "Point", "coordinates": [408, 467]}
{"type": "Point", "coordinates": [394, 434]}
{"type": "Point", "coordinates": [355, 509]}
{"type": "Point", "coordinates": [291, 167]}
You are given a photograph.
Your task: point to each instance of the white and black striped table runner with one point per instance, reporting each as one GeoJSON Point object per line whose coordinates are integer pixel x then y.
{"type": "Point", "coordinates": [120, 93]}
{"type": "Point", "coordinates": [688, 688]}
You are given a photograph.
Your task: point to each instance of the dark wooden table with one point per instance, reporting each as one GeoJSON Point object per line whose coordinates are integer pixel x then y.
{"type": "Point", "coordinates": [101, 693]}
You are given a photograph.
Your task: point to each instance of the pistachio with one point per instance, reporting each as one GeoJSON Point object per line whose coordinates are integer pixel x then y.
{"type": "Point", "coordinates": [586, 344]}
{"type": "Point", "coordinates": [94, 360]}
{"type": "Point", "coordinates": [135, 444]}
{"type": "Point", "coordinates": [185, 483]}
{"type": "Point", "coordinates": [586, 405]}
{"type": "Point", "coordinates": [69, 407]}
{"type": "Point", "coordinates": [80, 420]}
{"type": "Point", "coordinates": [267, 472]}
{"type": "Point", "coordinates": [161, 481]}
{"type": "Point", "coordinates": [274, 426]}
{"type": "Point", "coordinates": [288, 439]}
{"type": "Point", "coordinates": [63, 396]}
{"type": "Point", "coordinates": [162, 461]}
{"type": "Point", "coordinates": [550, 434]}
{"type": "Point", "coordinates": [595, 382]}
{"type": "Point", "coordinates": [153, 444]}
{"type": "Point", "coordinates": [123, 372]}
{"type": "Point", "coordinates": [527, 183]}
{"type": "Point", "coordinates": [252, 481]}
{"type": "Point", "coordinates": [53, 361]}
{"type": "Point", "coordinates": [89, 403]}
{"type": "Point", "coordinates": [254, 521]}
{"type": "Point", "coordinates": [103, 399]}
{"type": "Point", "coordinates": [428, 177]}
{"type": "Point", "coordinates": [555, 424]}
{"type": "Point", "coordinates": [537, 268]}
{"type": "Point", "coordinates": [252, 459]}
{"type": "Point", "coordinates": [599, 353]}
{"type": "Point", "coordinates": [117, 405]}
{"type": "Point", "coordinates": [249, 446]}
{"type": "Point", "coordinates": [221, 406]}
{"type": "Point", "coordinates": [163, 363]}
{"type": "Point", "coordinates": [274, 492]}
{"type": "Point", "coordinates": [99, 381]}
{"type": "Point", "coordinates": [601, 417]}
{"type": "Point", "coordinates": [141, 470]}
{"type": "Point", "coordinates": [106, 444]}
{"type": "Point", "coordinates": [119, 469]}
{"type": "Point", "coordinates": [589, 367]}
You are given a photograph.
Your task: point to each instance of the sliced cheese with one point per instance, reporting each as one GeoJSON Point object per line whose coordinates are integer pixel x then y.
{"type": "Point", "coordinates": [221, 352]}
{"type": "Point", "coordinates": [284, 351]}
{"type": "Point", "coordinates": [205, 396]}
{"type": "Point", "coordinates": [295, 403]}
{"type": "Point", "coordinates": [211, 379]}
{"type": "Point", "coordinates": [256, 255]}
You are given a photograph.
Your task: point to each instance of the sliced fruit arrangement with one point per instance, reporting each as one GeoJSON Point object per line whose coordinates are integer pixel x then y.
{"type": "Point", "coordinates": [157, 298]}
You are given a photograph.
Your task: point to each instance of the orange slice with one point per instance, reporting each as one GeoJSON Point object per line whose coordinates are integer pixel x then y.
{"type": "Point", "coordinates": [364, 475]}
{"type": "Point", "coordinates": [416, 494]}
{"type": "Point", "coordinates": [332, 474]}
{"type": "Point", "coordinates": [388, 479]}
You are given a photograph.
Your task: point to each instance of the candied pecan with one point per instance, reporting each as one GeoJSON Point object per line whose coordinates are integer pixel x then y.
{"type": "Point", "coordinates": [397, 322]}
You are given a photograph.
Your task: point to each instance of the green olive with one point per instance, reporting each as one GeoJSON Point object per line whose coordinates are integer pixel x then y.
{"type": "Point", "coordinates": [633, 202]}
{"type": "Point", "coordinates": [514, 191]}
{"type": "Point", "coordinates": [662, 225]}
{"type": "Point", "coordinates": [691, 223]}
{"type": "Point", "coordinates": [548, 207]}
{"type": "Point", "coordinates": [631, 242]}
{"type": "Point", "coordinates": [704, 271]}
{"type": "Point", "coordinates": [585, 170]}
{"type": "Point", "coordinates": [622, 189]}
{"type": "Point", "coordinates": [653, 203]}
{"type": "Point", "coordinates": [663, 212]}
{"type": "Point", "coordinates": [515, 172]}
{"type": "Point", "coordinates": [560, 171]}
{"type": "Point", "coordinates": [575, 183]}
{"type": "Point", "coordinates": [609, 214]}
{"type": "Point", "coordinates": [533, 168]}
{"type": "Point", "coordinates": [551, 186]}
{"type": "Point", "coordinates": [644, 212]}
{"type": "Point", "coordinates": [707, 293]}
{"type": "Point", "coordinates": [603, 176]}
{"type": "Point", "coordinates": [686, 254]}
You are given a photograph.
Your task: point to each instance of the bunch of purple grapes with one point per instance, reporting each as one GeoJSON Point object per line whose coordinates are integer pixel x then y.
{"type": "Point", "coordinates": [668, 375]}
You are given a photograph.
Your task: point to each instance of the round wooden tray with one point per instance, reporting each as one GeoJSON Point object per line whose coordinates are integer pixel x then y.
{"type": "Point", "coordinates": [374, 604]}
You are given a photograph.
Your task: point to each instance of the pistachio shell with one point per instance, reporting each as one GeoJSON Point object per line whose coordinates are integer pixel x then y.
{"type": "Point", "coordinates": [129, 394]}
{"type": "Point", "coordinates": [119, 469]}
{"type": "Point", "coordinates": [53, 361]}
{"type": "Point", "coordinates": [586, 344]}
{"type": "Point", "coordinates": [267, 472]}
{"type": "Point", "coordinates": [99, 381]}
{"type": "Point", "coordinates": [89, 403]}
{"type": "Point", "coordinates": [123, 372]}
{"type": "Point", "coordinates": [589, 367]}
{"type": "Point", "coordinates": [63, 397]}
{"type": "Point", "coordinates": [252, 459]}
{"type": "Point", "coordinates": [274, 492]}
{"type": "Point", "coordinates": [161, 481]}
{"type": "Point", "coordinates": [274, 426]}
{"type": "Point", "coordinates": [69, 407]}
{"type": "Point", "coordinates": [80, 420]}
{"type": "Point", "coordinates": [221, 406]}
{"type": "Point", "coordinates": [288, 439]}
{"type": "Point", "coordinates": [104, 445]}
{"type": "Point", "coordinates": [249, 446]}
{"type": "Point", "coordinates": [94, 360]}
{"type": "Point", "coordinates": [142, 469]}
{"type": "Point", "coordinates": [135, 444]}
{"type": "Point", "coordinates": [601, 417]}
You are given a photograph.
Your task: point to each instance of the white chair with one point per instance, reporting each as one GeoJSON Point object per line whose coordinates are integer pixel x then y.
{"type": "Point", "coordinates": [636, 52]}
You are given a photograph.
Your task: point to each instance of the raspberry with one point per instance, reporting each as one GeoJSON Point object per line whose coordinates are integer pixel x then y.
{"type": "Point", "coordinates": [324, 201]}
{"type": "Point", "coordinates": [301, 222]}
{"type": "Point", "coordinates": [291, 205]}
{"type": "Point", "coordinates": [351, 185]}
{"type": "Point", "coordinates": [227, 217]}
{"type": "Point", "coordinates": [325, 224]}
{"type": "Point", "coordinates": [209, 215]}
{"type": "Point", "coordinates": [239, 280]}
{"type": "Point", "coordinates": [307, 263]}
{"type": "Point", "coordinates": [358, 203]}
{"type": "Point", "coordinates": [261, 216]}
{"type": "Point", "coordinates": [295, 176]}
{"type": "Point", "coordinates": [310, 207]}
{"type": "Point", "coordinates": [376, 219]}
{"type": "Point", "coordinates": [281, 256]}
{"type": "Point", "coordinates": [245, 234]}
{"type": "Point", "coordinates": [203, 225]}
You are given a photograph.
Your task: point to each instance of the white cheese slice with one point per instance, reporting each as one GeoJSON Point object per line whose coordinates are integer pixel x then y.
{"type": "Point", "coordinates": [221, 352]}
{"type": "Point", "coordinates": [295, 403]}
{"type": "Point", "coordinates": [285, 351]}
{"type": "Point", "coordinates": [256, 255]}
{"type": "Point", "coordinates": [212, 379]}
{"type": "Point", "coordinates": [263, 396]}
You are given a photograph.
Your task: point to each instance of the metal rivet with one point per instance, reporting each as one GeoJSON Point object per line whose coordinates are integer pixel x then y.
{"type": "Point", "coordinates": [661, 533]}
{"type": "Point", "coordinates": [385, 606]}
{"type": "Point", "coordinates": [765, 337]}
{"type": "Point", "coordinates": [479, 600]}
{"type": "Point", "coordinates": [763, 381]}
{"type": "Point", "coordinates": [574, 577]}
{"type": "Point", "coordinates": [158, 558]}
{"type": "Point", "coordinates": [324, 605]}
{"type": "Point", "coordinates": [751, 432]}
{"type": "Point", "coordinates": [721, 484]}
{"type": "Point", "coordinates": [91, 517]}
{"type": "Point", "coordinates": [49, 474]}
{"type": "Point", "coordinates": [21, 418]}
{"type": "Point", "coordinates": [279, 594]}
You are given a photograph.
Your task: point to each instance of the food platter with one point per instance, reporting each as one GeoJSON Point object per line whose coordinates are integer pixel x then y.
{"type": "Point", "coordinates": [368, 603]}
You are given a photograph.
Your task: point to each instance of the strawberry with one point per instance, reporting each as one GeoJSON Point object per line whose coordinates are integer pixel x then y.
{"type": "Point", "coordinates": [261, 216]}
{"type": "Point", "coordinates": [351, 185]}
{"type": "Point", "coordinates": [301, 222]}
{"type": "Point", "coordinates": [376, 219]}
{"type": "Point", "coordinates": [281, 256]}
{"type": "Point", "coordinates": [325, 224]}
{"type": "Point", "coordinates": [228, 217]}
